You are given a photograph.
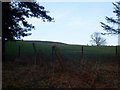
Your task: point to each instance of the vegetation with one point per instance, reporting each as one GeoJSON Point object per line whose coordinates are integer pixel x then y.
{"type": "Point", "coordinates": [15, 24]}
{"type": "Point", "coordinates": [34, 65]}
{"type": "Point", "coordinates": [97, 39]}
{"type": "Point", "coordinates": [104, 75]}
{"type": "Point", "coordinates": [86, 72]}
{"type": "Point", "coordinates": [112, 29]}
{"type": "Point", "coordinates": [66, 50]}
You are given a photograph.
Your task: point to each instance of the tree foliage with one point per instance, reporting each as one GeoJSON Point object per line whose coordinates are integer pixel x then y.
{"type": "Point", "coordinates": [97, 39]}
{"type": "Point", "coordinates": [14, 14]}
{"type": "Point", "coordinates": [113, 21]}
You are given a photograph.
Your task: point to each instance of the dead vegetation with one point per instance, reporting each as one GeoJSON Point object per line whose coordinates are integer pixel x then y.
{"type": "Point", "coordinates": [81, 74]}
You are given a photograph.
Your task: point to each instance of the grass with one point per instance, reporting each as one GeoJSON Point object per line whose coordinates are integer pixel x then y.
{"type": "Point", "coordinates": [85, 74]}
{"type": "Point", "coordinates": [98, 68]}
{"type": "Point", "coordinates": [67, 51]}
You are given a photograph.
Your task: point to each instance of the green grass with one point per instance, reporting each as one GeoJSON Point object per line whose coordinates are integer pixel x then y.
{"type": "Point", "coordinates": [67, 51]}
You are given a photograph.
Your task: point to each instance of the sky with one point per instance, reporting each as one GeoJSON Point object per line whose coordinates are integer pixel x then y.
{"type": "Point", "coordinates": [74, 22]}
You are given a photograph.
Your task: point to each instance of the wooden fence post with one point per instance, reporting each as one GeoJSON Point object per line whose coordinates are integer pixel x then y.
{"type": "Point", "coordinates": [81, 51]}
{"type": "Point", "coordinates": [35, 53]}
{"type": "Point", "coordinates": [19, 51]}
{"type": "Point", "coordinates": [116, 51]}
{"type": "Point", "coordinates": [56, 56]}
{"type": "Point", "coordinates": [34, 47]}
{"type": "Point", "coordinates": [53, 53]}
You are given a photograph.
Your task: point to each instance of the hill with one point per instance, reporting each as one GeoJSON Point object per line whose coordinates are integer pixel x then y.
{"type": "Point", "coordinates": [49, 42]}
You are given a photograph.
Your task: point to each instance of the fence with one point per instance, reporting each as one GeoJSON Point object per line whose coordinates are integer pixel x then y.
{"type": "Point", "coordinates": [66, 52]}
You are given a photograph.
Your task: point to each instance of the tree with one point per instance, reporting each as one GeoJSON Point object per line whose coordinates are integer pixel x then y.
{"type": "Point", "coordinates": [14, 16]}
{"type": "Point", "coordinates": [111, 29]}
{"type": "Point", "coordinates": [14, 23]}
{"type": "Point", "coordinates": [97, 39]}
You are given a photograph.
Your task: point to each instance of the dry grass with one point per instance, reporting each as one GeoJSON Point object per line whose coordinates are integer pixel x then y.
{"type": "Point", "coordinates": [83, 74]}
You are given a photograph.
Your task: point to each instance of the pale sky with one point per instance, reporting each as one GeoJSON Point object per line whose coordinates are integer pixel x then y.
{"type": "Point", "coordinates": [74, 22]}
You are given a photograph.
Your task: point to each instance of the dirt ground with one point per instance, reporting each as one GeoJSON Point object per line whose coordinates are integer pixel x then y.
{"type": "Point", "coordinates": [83, 74]}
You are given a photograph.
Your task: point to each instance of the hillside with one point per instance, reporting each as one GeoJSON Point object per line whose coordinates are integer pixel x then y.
{"type": "Point", "coordinates": [38, 41]}
{"type": "Point", "coordinates": [25, 48]}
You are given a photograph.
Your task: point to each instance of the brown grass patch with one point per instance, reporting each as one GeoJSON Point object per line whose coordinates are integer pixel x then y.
{"type": "Point", "coordinates": [79, 75]}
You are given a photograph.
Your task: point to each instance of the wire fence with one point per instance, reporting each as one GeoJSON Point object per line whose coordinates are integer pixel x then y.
{"type": "Point", "coordinates": [66, 52]}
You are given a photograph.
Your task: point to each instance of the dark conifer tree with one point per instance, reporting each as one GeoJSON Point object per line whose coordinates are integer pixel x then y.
{"type": "Point", "coordinates": [113, 21]}
{"type": "Point", "coordinates": [14, 13]}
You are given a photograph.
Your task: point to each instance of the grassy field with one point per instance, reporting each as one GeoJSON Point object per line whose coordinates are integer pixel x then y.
{"type": "Point", "coordinates": [99, 67]}
{"type": "Point", "coordinates": [66, 50]}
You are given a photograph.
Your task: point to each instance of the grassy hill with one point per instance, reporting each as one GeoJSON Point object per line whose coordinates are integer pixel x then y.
{"type": "Point", "coordinates": [67, 51]}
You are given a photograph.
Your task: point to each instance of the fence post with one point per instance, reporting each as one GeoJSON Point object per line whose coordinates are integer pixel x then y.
{"type": "Point", "coordinates": [34, 48]}
{"type": "Point", "coordinates": [116, 51]}
{"type": "Point", "coordinates": [35, 53]}
{"type": "Point", "coordinates": [53, 59]}
{"type": "Point", "coordinates": [81, 51]}
{"type": "Point", "coordinates": [56, 56]}
{"type": "Point", "coordinates": [53, 53]}
{"type": "Point", "coordinates": [19, 51]}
